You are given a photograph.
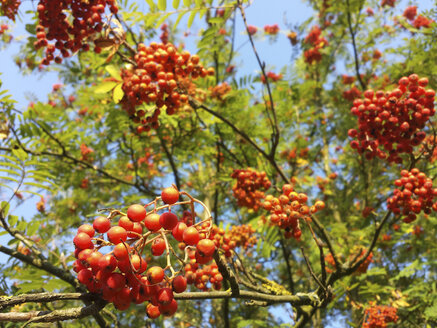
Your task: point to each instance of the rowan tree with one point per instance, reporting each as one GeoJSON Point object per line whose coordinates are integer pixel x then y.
{"type": "Point", "coordinates": [161, 186]}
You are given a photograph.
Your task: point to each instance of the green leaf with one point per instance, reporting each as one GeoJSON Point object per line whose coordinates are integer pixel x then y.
{"type": "Point", "coordinates": [118, 93]}
{"type": "Point", "coordinates": [176, 4]}
{"type": "Point", "coordinates": [431, 312]}
{"type": "Point", "coordinates": [5, 208]}
{"type": "Point", "coordinates": [105, 87]}
{"type": "Point", "coordinates": [176, 23]}
{"type": "Point", "coordinates": [114, 72]}
{"type": "Point", "coordinates": [38, 185]}
{"type": "Point", "coordinates": [162, 5]}
{"type": "Point", "coordinates": [32, 228]}
{"type": "Point", "coordinates": [191, 18]}
{"type": "Point", "coordinates": [12, 220]}
{"type": "Point", "coordinates": [151, 4]}
{"type": "Point", "coordinates": [187, 3]}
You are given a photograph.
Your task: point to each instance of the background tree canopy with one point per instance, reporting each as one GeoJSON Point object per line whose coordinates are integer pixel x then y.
{"type": "Point", "coordinates": [221, 186]}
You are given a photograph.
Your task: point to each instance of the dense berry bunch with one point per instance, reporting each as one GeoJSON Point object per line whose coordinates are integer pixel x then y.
{"type": "Point", "coordinates": [422, 21]}
{"type": "Point", "coordinates": [330, 263]}
{"type": "Point", "coordinates": [201, 276]}
{"type": "Point", "coordinates": [9, 8]}
{"type": "Point", "coordinates": [70, 24]}
{"type": "Point", "coordinates": [252, 29]}
{"type": "Point", "coordinates": [389, 123]}
{"type": "Point", "coordinates": [86, 153]}
{"type": "Point", "coordinates": [378, 316]}
{"type": "Point", "coordinates": [390, 3]}
{"type": "Point", "coordinates": [272, 77]}
{"type": "Point", "coordinates": [271, 29]}
{"type": "Point", "coordinates": [410, 12]}
{"type": "Point", "coordinates": [429, 148]}
{"type": "Point", "coordinates": [242, 236]}
{"type": "Point", "coordinates": [351, 93]}
{"type": "Point", "coordinates": [289, 208]}
{"type": "Point", "coordinates": [159, 78]}
{"type": "Point", "coordinates": [3, 28]}
{"type": "Point", "coordinates": [249, 188]}
{"type": "Point", "coordinates": [415, 194]}
{"type": "Point", "coordinates": [220, 91]}
{"type": "Point", "coordinates": [363, 267]}
{"type": "Point", "coordinates": [317, 42]}
{"type": "Point", "coordinates": [130, 272]}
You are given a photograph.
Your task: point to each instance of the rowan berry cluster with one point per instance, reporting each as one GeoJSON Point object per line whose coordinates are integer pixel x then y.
{"type": "Point", "coordinates": [317, 42]}
{"type": "Point", "coordinates": [390, 123]}
{"type": "Point", "coordinates": [220, 91]}
{"type": "Point", "coordinates": [3, 28]}
{"type": "Point", "coordinates": [271, 29]}
{"type": "Point", "coordinates": [390, 3]}
{"type": "Point", "coordinates": [272, 77]}
{"type": "Point", "coordinates": [363, 266]}
{"type": "Point", "coordinates": [410, 12]}
{"type": "Point", "coordinates": [352, 93]}
{"type": "Point", "coordinates": [378, 316]}
{"type": "Point", "coordinates": [69, 33]}
{"type": "Point", "coordinates": [415, 194]}
{"type": "Point", "coordinates": [125, 274]}
{"type": "Point", "coordinates": [9, 8]}
{"type": "Point", "coordinates": [330, 262]}
{"type": "Point", "coordinates": [241, 235]}
{"type": "Point", "coordinates": [252, 29]}
{"type": "Point", "coordinates": [158, 79]}
{"type": "Point", "coordinates": [429, 148]}
{"type": "Point", "coordinates": [249, 188]}
{"type": "Point", "coordinates": [86, 153]}
{"type": "Point", "coordinates": [202, 276]}
{"type": "Point", "coordinates": [422, 21]}
{"type": "Point", "coordinates": [291, 154]}
{"type": "Point", "coordinates": [289, 208]}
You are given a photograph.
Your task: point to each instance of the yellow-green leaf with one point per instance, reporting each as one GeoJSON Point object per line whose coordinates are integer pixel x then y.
{"type": "Point", "coordinates": [191, 18]}
{"type": "Point", "coordinates": [105, 87]}
{"type": "Point", "coordinates": [162, 5]}
{"type": "Point", "coordinates": [118, 93]}
{"type": "Point", "coordinates": [114, 72]}
{"type": "Point", "coordinates": [176, 4]}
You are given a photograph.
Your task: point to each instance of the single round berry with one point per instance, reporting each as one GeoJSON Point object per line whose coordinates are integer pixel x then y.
{"type": "Point", "coordinates": [205, 247]}
{"type": "Point", "coordinates": [87, 228]}
{"type": "Point", "coordinates": [102, 224]}
{"type": "Point", "coordinates": [136, 213]}
{"type": "Point", "coordinates": [170, 195]}
{"type": "Point", "coordinates": [152, 222]}
{"type": "Point", "coordinates": [179, 284]}
{"type": "Point", "coordinates": [83, 241]}
{"type": "Point", "coordinates": [191, 236]}
{"type": "Point", "coordinates": [168, 220]}
{"type": "Point", "coordinates": [117, 234]}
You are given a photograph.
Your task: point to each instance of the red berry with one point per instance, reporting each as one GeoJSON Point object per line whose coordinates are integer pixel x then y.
{"type": "Point", "coordinates": [136, 212]}
{"type": "Point", "coordinates": [86, 228]}
{"type": "Point", "coordinates": [168, 220]}
{"type": "Point", "coordinates": [155, 275]}
{"type": "Point", "coordinates": [178, 231]}
{"type": "Point", "coordinates": [191, 236]}
{"type": "Point", "coordinates": [179, 284]}
{"type": "Point", "coordinates": [117, 234]}
{"type": "Point", "coordinates": [83, 241]}
{"type": "Point", "coordinates": [205, 247]}
{"type": "Point", "coordinates": [102, 224]}
{"type": "Point", "coordinates": [170, 195]}
{"type": "Point", "coordinates": [152, 311]}
{"type": "Point", "coordinates": [152, 222]}
{"type": "Point", "coordinates": [158, 247]}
